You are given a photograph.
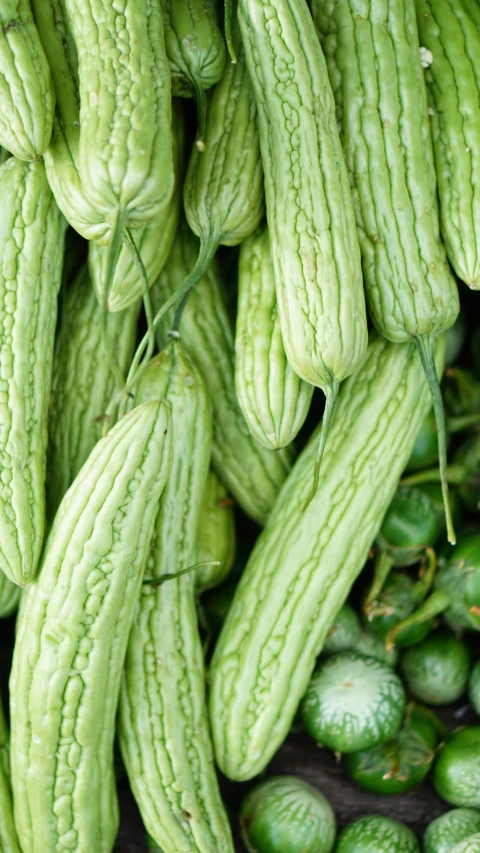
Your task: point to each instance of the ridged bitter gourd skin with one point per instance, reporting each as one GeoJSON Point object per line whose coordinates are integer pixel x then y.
{"type": "Point", "coordinates": [27, 98]}
{"type": "Point", "coordinates": [309, 206]}
{"type": "Point", "coordinates": [274, 400]}
{"type": "Point", "coordinates": [448, 30]}
{"type": "Point", "coordinates": [195, 46]}
{"type": "Point", "coordinates": [72, 636]}
{"type": "Point", "coordinates": [216, 539]}
{"type": "Point", "coordinates": [83, 382]}
{"type": "Point", "coordinates": [306, 560]}
{"type": "Point", "coordinates": [251, 473]}
{"type": "Point", "coordinates": [9, 596]}
{"type": "Point", "coordinates": [32, 232]}
{"type": "Point", "coordinates": [372, 53]}
{"type": "Point", "coordinates": [163, 721]}
{"type": "Point", "coordinates": [8, 834]}
{"type": "Point", "coordinates": [153, 241]}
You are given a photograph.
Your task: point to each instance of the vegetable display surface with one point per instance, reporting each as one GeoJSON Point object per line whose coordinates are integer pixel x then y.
{"type": "Point", "coordinates": [72, 636]}
{"type": "Point", "coordinates": [31, 250]}
{"type": "Point", "coordinates": [305, 562]}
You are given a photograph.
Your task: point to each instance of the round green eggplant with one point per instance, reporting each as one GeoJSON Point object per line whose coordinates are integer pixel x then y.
{"type": "Point", "coordinates": [436, 670]}
{"type": "Point", "coordinates": [425, 449]}
{"type": "Point", "coordinates": [376, 834]}
{"type": "Point", "coordinates": [450, 828]}
{"type": "Point", "coordinates": [459, 576]}
{"type": "Point", "coordinates": [370, 645]}
{"type": "Point", "coordinates": [456, 773]}
{"type": "Point", "coordinates": [395, 603]}
{"type": "Point", "coordinates": [344, 633]}
{"type": "Point", "coordinates": [409, 526]}
{"type": "Point", "coordinates": [468, 845]}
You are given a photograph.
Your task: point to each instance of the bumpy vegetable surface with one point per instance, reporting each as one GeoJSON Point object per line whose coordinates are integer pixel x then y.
{"type": "Point", "coordinates": [83, 382]}
{"type": "Point", "coordinates": [448, 31]}
{"type": "Point", "coordinates": [215, 535]}
{"type": "Point", "coordinates": [309, 206]}
{"type": "Point", "coordinates": [375, 832]}
{"type": "Point", "coordinates": [32, 233]}
{"type": "Point", "coordinates": [252, 474]}
{"type": "Point", "coordinates": [8, 834]}
{"type": "Point", "coordinates": [304, 564]}
{"type": "Point", "coordinates": [274, 400]}
{"type": "Point", "coordinates": [26, 93]}
{"type": "Point", "coordinates": [72, 636]}
{"type": "Point", "coordinates": [163, 723]}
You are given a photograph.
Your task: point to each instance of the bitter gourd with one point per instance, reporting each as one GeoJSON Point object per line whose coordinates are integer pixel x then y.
{"type": "Point", "coordinates": [26, 93]}
{"type": "Point", "coordinates": [448, 30]}
{"type": "Point", "coordinates": [163, 722]}
{"type": "Point", "coordinates": [9, 596]}
{"type": "Point", "coordinates": [32, 232]}
{"type": "Point", "coordinates": [72, 636]}
{"type": "Point", "coordinates": [195, 50]}
{"type": "Point", "coordinates": [373, 56]}
{"type": "Point", "coordinates": [215, 535]}
{"type": "Point", "coordinates": [311, 221]}
{"type": "Point", "coordinates": [8, 835]}
{"type": "Point", "coordinates": [306, 560]}
{"type": "Point", "coordinates": [251, 473]}
{"type": "Point", "coordinates": [273, 398]}
{"type": "Point", "coordinates": [83, 382]}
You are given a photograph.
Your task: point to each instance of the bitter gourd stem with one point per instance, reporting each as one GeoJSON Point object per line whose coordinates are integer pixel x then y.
{"type": "Point", "coordinates": [331, 395]}
{"type": "Point", "coordinates": [383, 566]}
{"type": "Point", "coordinates": [228, 31]}
{"type": "Point", "coordinates": [147, 302]}
{"type": "Point", "coordinates": [438, 602]}
{"type": "Point", "coordinates": [113, 251]}
{"type": "Point", "coordinates": [425, 348]}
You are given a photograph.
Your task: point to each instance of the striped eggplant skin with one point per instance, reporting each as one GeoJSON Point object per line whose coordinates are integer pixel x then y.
{"type": "Point", "coordinates": [274, 400]}
{"type": "Point", "coordinates": [83, 382]}
{"type": "Point", "coordinates": [153, 241]}
{"type": "Point", "coordinates": [216, 538]}
{"type": "Point", "coordinates": [310, 214]}
{"type": "Point", "coordinates": [195, 46]}
{"type": "Point", "coordinates": [252, 474]}
{"type": "Point", "coordinates": [8, 834]}
{"type": "Point", "coordinates": [32, 233]}
{"type": "Point", "coordinates": [372, 53]}
{"type": "Point", "coordinates": [9, 596]}
{"type": "Point", "coordinates": [27, 98]}
{"type": "Point", "coordinates": [72, 635]}
{"type": "Point", "coordinates": [304, 563]}
{"type": "Point", "coordinates": [447, 28]}
{"type": "Point", "coordinates": [163, 722]}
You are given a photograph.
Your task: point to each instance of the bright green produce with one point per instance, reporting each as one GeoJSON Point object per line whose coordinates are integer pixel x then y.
{"type": "Point", "coordinates": [409, 526]}
{"type": "Point", "coordinates": [436, 670]}
{"type": "Point", "coordinates": [9, 596]}
{"type": "Point", "coordinates": [450, 33]}
{"type": "Point", "coordinates": [398, 600]}
{"type": "Point", "coordinates": [372, 56]}
{"type": "Point", "coordinates": [456, 774]}
{"type": "Point", "coordinates": [353, 702]}
{"type": "Point", "coordinates": [309, 204]}
{"type": "Point", "coordinates": [434, 491]}
{"type": "Point", "coordinates": [474, 688]}
{"type": "Point", "coordinates": [223, 193]}
{"type": "Point", "coordinates": [376, 833]}
{"type": "Point", "coordinates": [284, 814]}
{"type": "Point", "coordinates": [425, 449]}
{"type": "Point", "coordinates": [468, 845]}
{"type": "Point", "coordinates": [274, 400]}
{"type": "Point", "coordinates": [8, 835]}
{"type": "Point", "coordinates": [453, 826]}
{"type": "Point", "coordinates": [303, 565]}
{"type": "Point", "coordinates": [401, 763]}
{"type": "Point", "coordinates": [163, 724]}
{"type": "Point", "coordinates": [344, 633]}
{"type": "Point", "coordinates": [26, 94]}
{"type": "Point", "coordinates": [72, 635]}
{"type": "Point", "coordinates": [372, 646]}
{"type": "Point", "coordinates": [251, 473]}
{"type": "Point", "coordinates": [83, 382]}
{"type": "Point", "coordinates": [215, 605]}
{"type": "Point", "coordinates": [195, 49]}
{"type": "Point", "coordinates": [153, 241]}
{"type": "Point", "coordinates": [32, 232]}
{"type": "Point", "coordinates": [459, 578]}
{"type": "Point", "coordinates": [215, 535]}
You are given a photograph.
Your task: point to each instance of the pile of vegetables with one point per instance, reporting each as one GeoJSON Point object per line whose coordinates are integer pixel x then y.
{"type": "Point", "coordinates": [198, 550]}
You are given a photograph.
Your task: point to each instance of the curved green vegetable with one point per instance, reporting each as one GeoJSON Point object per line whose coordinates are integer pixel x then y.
{"type": "Point", "coordinates": [425, 450]}
{"type": "Point", "coordinates": [216, 537]}
{"type": "Point", "coordinates": [370, 645]}
{"type": "Point", "coordinates": [274, 400]}
{"type": "Point", "coordinates": [303, 565]}
{"type": "Point", "coordinates": [436, 670]}
{"type": "Point", "coordinates": [397, 601]}
{"type": "Point", "coordinates": [375, 832]}
{"type": "Point", "coordinates": [83, 382]}
{"type": "Point", "coordinates": [32, 233]}
{"type": "Point", "coordinates": [452, 37]}
{"type": "Point", "coordinates": [459, 577]}
{"type": "Point", "coordinates": [163, 724]}
{"type": "Point", "coordinates": [9, 596]}
{"type": "Point", "coordinates": [474, 688]}
{"type": "Point", "coordinates": [26, 94]}
{"type": "Point", "coordinates": [72, 636]}
{"type": "Point", "coordinates": [251, 473]}
{"type": "Point", "coordinates": [284, 814]}
{"type": "Point", "coordinates": [372, 56]}
{"type": "Point", "coordinates": [450, 828]}
{"type": "Point", "coordinates": [8, 834]}
{"type": "Point", "coordinates": [353, 702]}
{"type": "Point", "coordinates": [468, 845]}
{"type": "Point", "coordinates": [310, 214]}
{"type": "Point", "coordinates": [456, 775]}
{"type": "Point", "coordinates": [344, 633]}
